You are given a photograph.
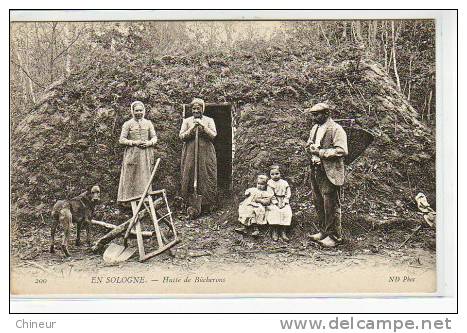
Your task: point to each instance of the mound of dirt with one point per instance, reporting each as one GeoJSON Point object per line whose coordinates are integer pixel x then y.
{"type": "Point", "coordinates": [382, 183]}
{"type": "Point", "coordinates": [69, 141]}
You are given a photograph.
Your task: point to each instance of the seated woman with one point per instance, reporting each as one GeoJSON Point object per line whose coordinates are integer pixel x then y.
{"type": "Point", "coordinates": [252, 210]}
{"type": "Point", "coordinates": [279, 216]}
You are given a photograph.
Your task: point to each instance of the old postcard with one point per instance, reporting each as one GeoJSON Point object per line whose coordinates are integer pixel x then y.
{"type": "Point", "coordinates": [173, 158]}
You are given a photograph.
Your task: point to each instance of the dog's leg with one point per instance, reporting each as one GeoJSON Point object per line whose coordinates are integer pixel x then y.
{"type": "Point", "coordinates": [53, 229]}
{"type": "Point", "coordinates": [78, 233]}
{"type": "Point", "coordinates": [66, 236]}
{"type": "Point", "coordinates": [88, 232]}
{"type": "Point", "coordinates": [65, 219]}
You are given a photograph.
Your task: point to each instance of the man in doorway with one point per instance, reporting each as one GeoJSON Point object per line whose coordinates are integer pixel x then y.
{"type": "Point", "coordinates": [327, 146]}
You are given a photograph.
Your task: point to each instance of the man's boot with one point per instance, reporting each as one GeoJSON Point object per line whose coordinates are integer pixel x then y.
{"type": "Point", "coordinates": [255, 231]}
{"type": "Point", "coordinates": [241, 230]}
{"type": "Point", "coordinates": [328, 242]}
{"type": "Point", "coordinates": [316, 237]}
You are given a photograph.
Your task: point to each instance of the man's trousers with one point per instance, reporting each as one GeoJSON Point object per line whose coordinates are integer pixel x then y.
{"type": "Point", "coordinates": [326, 201]}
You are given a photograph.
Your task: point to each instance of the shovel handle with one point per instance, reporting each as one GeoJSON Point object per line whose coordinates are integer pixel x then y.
{"type": "Point", "coordinates": [140, 203]}
{"type": "Point", "coordinates": [195, 184]}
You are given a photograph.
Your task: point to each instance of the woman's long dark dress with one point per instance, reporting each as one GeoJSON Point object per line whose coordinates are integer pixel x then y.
{"type": "Point", "coordinates": [207, 162]}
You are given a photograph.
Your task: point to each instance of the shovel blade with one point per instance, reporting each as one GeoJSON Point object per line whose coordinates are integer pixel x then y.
{"type": "Point", "coordinates": [118, 253]}
{"type": "Point", "coordinates": [195, 204]}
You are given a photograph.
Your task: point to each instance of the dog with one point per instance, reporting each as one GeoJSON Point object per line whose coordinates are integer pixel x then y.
{"type": "Point", "coordinates": [77, 210]}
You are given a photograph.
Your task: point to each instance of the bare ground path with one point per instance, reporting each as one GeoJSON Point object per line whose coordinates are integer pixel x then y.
{"type": "Point", "coordinates": [225, 263]}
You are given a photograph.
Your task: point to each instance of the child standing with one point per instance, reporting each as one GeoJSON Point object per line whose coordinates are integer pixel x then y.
{"type": "Point", "coordinates": [252, 210]}
{"type": "Point", "coordinates": [280, 214]}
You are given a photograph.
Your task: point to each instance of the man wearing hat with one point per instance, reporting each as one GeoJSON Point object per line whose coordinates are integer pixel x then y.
{"type": "Point", "coordinates": [327, 146]}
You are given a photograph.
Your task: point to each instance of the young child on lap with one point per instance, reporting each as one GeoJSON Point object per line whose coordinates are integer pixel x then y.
{"type": "Point", "coordinates": [252, 210]}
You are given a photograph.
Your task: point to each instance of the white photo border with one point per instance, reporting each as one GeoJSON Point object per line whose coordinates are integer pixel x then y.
{"type": "Point", "coordinates": [445, 300]}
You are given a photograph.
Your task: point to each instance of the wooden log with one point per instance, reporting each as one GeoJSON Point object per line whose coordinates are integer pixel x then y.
{"type": "Point", "coordinates": [107, 238]}
{"type": "Point", "coordinates": [113, 226]}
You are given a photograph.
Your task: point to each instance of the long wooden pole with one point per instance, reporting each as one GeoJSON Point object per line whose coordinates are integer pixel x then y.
{"type": "Point", "coordinates": [195, 185]}
{"type": "Point", "coordinates": [134, 218]}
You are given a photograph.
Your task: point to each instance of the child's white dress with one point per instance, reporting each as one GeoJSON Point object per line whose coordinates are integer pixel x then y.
{"type": "Point", "coordinates": [281, 194]}
{"type": "Point", "coordinates": [252, 212]}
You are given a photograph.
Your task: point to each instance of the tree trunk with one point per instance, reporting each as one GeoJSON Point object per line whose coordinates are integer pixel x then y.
{"type": "Point", "coordinates": [375, 32]}
{"type": "Point", "coordinates": [384, 41]}
{"type": "Point", "coordinates": [27, 80]}
{"type": "Point", "coordinates": [67, 52]}
{"type": "Point", "coordinates": [428, 111]}
{"type": "Point", "coordinates": [357, 31]}
{"type": "Point", "coordinates": [423, 108]}
{"type": "Point", "coordinates": [324, 34]}
{"type": "Point", "coordinates": [52, 52]}
{"type": "Point", "coordinates": [229, 29]}
{"type": "Point", "coordinates": [410, 79]}
{"type": "Point", "coordinates": [394, 58]}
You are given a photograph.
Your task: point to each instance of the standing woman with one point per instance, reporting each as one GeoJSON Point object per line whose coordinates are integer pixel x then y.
{"type": "Point", "coordinates": [207, 162]}
{"type": "Point", "coordinates": [139, 138]}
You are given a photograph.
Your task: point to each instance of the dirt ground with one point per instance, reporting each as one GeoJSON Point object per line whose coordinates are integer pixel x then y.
{"type": "Point", "coordinates": [210, 244]}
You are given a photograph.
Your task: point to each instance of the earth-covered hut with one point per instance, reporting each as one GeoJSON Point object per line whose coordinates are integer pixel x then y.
{"type": "Point", "coordinates": [70, 139]}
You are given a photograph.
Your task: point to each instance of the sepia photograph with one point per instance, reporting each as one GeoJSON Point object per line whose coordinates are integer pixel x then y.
{"type": "Point", "coordinates": [197, 157]}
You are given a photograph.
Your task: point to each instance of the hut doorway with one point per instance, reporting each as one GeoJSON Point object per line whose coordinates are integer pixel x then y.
{"type": "Point", "coordinates": [222, 115]}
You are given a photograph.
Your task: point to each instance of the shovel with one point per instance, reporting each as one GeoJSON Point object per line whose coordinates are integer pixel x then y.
{"type": "Point", "coordinates": [117, 253]}
{"type": "Point", "coordinates": [196, 199]}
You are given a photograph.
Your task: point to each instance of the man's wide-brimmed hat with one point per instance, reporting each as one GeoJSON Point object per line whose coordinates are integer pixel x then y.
{"type": "Point", "coordinates": [319, 107]}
